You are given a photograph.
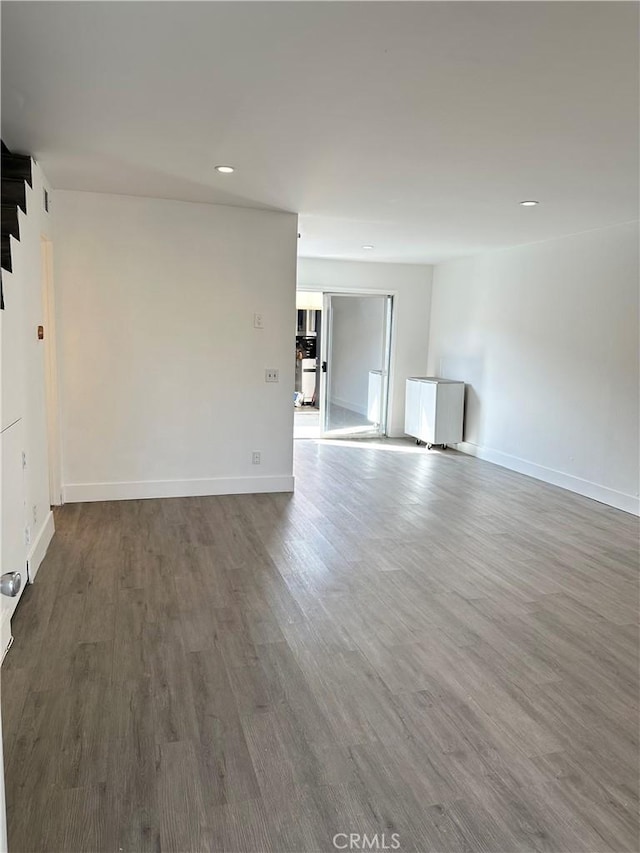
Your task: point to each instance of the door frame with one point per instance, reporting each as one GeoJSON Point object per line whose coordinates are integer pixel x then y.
{"type": "Point", "coordinates": [51, 373]}
{"type": "Point", "coordinates": [325, 345]}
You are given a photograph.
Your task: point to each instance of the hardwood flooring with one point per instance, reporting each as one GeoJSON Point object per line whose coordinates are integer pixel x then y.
{"type": "Point", "coordinates": [415, 642]}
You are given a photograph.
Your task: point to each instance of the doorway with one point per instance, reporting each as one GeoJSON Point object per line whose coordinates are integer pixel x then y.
{"type": "Point", "coordinates": [343, 354]}
{"type": "Point", "coordinates": [306, 398]}
{"type": "Point", "coordinates": [356, 358]}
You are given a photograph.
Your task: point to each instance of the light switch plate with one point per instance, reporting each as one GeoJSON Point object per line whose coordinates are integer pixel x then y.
{"type": "Point", "coordinates": [272, 374]}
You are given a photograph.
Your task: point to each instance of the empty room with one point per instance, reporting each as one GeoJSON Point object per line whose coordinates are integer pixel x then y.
{"type": "Point", "coordinates": [320, 427]}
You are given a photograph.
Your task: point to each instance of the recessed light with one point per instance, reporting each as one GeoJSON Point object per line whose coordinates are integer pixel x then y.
{"type": "Point", "coordinates": [226, 170]}
{"type": "Point", "coordinates": [367, 247]}
{"type": "Point", "coordinates": [529, 203]}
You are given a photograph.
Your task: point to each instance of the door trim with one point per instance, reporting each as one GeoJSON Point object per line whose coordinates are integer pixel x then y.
{"type": "Point", "coordinates": [51, 374]}
{"type": "Point", "coordinates": [38, 550]}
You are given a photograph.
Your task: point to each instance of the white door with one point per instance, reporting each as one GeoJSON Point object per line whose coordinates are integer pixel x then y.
{"type": "Point", "coordinates": [14, 549]}
{"type": "Point", "coordinates": [12, 557]}
{"type": "Point", "coordinates": [356, 351]}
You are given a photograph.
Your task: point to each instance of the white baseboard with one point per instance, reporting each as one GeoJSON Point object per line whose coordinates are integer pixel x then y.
{"type": "Point", "coordinates": [349, 406]}
{"type": "Point", "coordinates": [611, 497]}
{"type": "Point", "coordinates": [39, 548]}
{"type": "Point", "coordinates": [84, 492]}
{"type": "Point", "coordinates": [5, 641]}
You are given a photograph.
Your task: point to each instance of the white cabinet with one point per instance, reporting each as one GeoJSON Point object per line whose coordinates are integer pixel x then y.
{"type": "Point", "coordinates": [434, 409]}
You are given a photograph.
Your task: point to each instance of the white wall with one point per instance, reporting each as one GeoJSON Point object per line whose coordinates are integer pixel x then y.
{"type": "Point", "coordinates": [546, 336]}
{"type": "Point", "coordinates": [307, 300]}
{"type": "Point", "coordinates": [23, 372]}
{"type": "Point", "coordinates": [411, 286]}
{"type": "Point", "coordinates": [162, 387]}
{"type": "Point", "coordinates": [357, 340]}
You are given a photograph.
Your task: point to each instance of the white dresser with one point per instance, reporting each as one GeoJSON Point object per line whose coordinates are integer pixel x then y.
{"type": "Point", "coordinates": [434, 410]}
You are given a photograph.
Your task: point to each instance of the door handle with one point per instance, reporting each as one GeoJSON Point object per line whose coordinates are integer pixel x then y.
{"type": "Point", "coordinates": [324, 366]}
{"type": "Point", "coordinates": [10, 583]}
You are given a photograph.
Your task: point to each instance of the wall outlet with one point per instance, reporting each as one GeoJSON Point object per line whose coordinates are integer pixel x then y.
{"type": "Point", "coordinates": [255, 457]}
{"type": "Point", "coordinates": [27, 535]}
{"type": "Point", "coordinates": [35, 515]}
{"type": "Point", "coordinates": [272, 374]}
{"type": "Point", "coordinates": [258, 321]}
{"type": "Point", "coordinates": [24, 459]}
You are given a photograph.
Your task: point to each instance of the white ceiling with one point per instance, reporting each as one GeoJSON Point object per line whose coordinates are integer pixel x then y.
{"type": "Point", "coordinates": [417, 127]}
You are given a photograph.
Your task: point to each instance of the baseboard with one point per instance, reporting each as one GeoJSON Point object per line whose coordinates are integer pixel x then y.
{"type": "Point", "coordinates": [85, 492]}
{"type": "Point", "coordinates": [39, 548]}
{"type": "Point", "coordinates": [602, 494]}
{"type": "Point", "coordinates": [349, 406]}
{"type": "Point", "coordinates": [5, 640]}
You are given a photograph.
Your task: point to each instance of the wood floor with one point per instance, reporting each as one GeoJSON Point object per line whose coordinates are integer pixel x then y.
{"type": "Point", "coordinates": [414, 643]}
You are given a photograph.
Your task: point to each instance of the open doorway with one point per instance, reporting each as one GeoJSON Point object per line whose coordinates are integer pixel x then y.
{"type": "Point", "coordinates": [356, 350]}
{"type": "Point", "coordinates": [343, 353]}
{"type": "Point", "coordinates": [306, 399]}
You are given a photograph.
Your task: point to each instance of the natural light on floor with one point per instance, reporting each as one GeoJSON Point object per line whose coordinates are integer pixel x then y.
{"type": "Point", "coordinates": [399, 445]}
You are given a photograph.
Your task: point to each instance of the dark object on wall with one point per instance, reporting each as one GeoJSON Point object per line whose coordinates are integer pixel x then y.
{"type": "Point", "coordinates": [16, 173]}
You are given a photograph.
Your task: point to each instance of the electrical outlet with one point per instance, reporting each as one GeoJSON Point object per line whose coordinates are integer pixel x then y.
{"type": "Point", "coordinates": [272, 374]}
{"type": "Point", "coordinates": [27, 535]}
{"type": "Point", "coordinates": [35, 514]}
{"type": "Point", "coordinates": [255, 457]}
{"type": "Point", "coordinates": [24, 459]}
{"type": "Point", "coordinates": [258, 321]}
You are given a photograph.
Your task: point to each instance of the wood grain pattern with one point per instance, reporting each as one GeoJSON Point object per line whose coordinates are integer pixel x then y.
{"type": "Point", "coordinates": [414, 642]}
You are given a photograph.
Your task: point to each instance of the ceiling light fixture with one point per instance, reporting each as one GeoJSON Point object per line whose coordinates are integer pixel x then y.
{"type": "Point", "coordinates": [226, 170]}
{"type": "Point", "coordinates": [529, 203]}
{"type": "Point", "coordinates": [367, 247]}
